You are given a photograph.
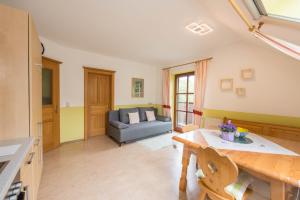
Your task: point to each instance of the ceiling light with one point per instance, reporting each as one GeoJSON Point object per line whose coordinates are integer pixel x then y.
{"type": "Point", "coordinates": [201, 29]}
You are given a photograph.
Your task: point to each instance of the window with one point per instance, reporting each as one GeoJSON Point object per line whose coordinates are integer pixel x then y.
{"type": "Point", "coordinates": [287, 9]}
{"type": "Point", "coordinates": [184, 99]}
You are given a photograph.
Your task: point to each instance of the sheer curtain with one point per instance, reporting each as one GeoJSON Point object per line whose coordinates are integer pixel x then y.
{"type": "Point", "coordinates": [166, 92]}
{"type": "Point", "coordinates": [200, 86]}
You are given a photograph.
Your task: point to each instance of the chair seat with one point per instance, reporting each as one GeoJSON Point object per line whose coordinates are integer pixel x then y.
{"type": "Point", "coordinates": [239, 189]}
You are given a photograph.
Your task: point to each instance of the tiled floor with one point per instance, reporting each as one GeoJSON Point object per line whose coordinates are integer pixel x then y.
{"type": "Point", "coordinates": [99, 169]}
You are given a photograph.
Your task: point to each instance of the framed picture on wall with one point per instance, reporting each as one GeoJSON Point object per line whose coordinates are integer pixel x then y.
{"type": "Point", "coordinates": [226, 84]}
{"type": "Point", "coordinates": [247, 74]}
{"type": "Point", "coordinates": [137, 88]}
{"type": "Point", "coordinates": [241, 92]}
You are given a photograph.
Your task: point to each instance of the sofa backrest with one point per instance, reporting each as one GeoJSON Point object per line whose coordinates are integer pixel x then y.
{"type": "Point", "coordinates": [142, 112]}
{"type": "Point", "coordinates": [122, 114]}
{"type": "Point", "coordinates": [113, 115]}
{"type": "Point", "coordinates": [124, 117]}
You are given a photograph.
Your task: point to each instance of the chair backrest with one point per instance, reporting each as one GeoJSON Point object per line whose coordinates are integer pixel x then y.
{"type": "Point", "coordinates": [212, 123]}
{"type": "Point", "coordinates": [219, 171]}
{"type": "Point", "coordinates": [187, 128]}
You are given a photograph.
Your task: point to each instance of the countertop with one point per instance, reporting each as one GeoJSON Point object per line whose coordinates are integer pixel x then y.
{"type": "Point", "coordinates": [14, 162]}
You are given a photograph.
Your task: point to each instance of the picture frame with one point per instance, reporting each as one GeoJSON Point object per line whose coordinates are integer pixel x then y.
{"type": "Point", "coordinates": [247, 74]}
{"type": "Point", "coordinates": [241, 92]}
{"type": "Point", "coordinates": [226, 84]}
{"type": "Point", "coordinates": [137, 88]}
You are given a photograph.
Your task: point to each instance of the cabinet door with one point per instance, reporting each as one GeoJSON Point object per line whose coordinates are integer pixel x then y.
{"type": "Point", "coordinates": [35, 72]}
{"type": "Point", "coordinates": [14, 101]}
{"type": "Point", "coordinates": [27, 175]}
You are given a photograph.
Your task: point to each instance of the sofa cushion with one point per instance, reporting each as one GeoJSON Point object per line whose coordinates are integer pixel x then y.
{"type": "Point", "coordinates": [134, 118]}
{"type": "Point", "coordinates": [163, 118]}
{"type": "Point", "coordinates": [118, 124]}
{"type": "Point", "coordinates": [150, 116]}
{"type": "Point", "coordinates": [140, 130]}
{"type": "Point", "coordinates": [124, 114]}
{"type": "Point", "coordinates": [142, 112]}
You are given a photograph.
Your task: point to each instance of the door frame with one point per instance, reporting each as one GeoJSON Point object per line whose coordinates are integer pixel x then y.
{"type": "Point", "coordinates": [175, 95]}
{"type": "Point", "coordinates": [100, 71]}
{"type": "Point", "coordinates": [56, 96]}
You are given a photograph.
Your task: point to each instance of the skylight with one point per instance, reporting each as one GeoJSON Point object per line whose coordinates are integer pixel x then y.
{"type": "Point", "coordinates": [283, 9]}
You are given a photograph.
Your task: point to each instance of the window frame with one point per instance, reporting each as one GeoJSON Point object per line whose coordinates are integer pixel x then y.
{"type": "Point", "coordinates": [187, 93]}
{"type": "Point", "coordinates": [262, 11]}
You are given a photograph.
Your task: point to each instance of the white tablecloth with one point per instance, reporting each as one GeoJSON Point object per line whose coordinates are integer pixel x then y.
{"type": "Point", "coordinates": [259, 144]}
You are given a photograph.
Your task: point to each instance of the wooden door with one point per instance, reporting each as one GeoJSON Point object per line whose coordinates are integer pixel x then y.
{"type": "Point", "coordinates": [98, 101]}
{"type": "Point", "coordinates": [50, 99]}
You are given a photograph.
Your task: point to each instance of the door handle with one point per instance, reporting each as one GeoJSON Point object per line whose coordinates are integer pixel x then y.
{"type": "Point", "coordinates": [31, 158]}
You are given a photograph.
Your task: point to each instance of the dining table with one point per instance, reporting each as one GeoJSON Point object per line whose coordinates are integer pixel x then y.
{"type": "Point", "coordinates": [263, 158]}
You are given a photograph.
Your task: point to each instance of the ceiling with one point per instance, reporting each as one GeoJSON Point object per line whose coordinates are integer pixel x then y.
{"type": "Point", "coordinates": [147, 31]}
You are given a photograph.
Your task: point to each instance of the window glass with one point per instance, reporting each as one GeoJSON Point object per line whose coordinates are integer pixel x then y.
{"type": "Point", "coordinates": [182, 84]}
{"type": "Point", "coordinates": [47, 86]}
{"type": "Point", "coordinates": [287, 9]}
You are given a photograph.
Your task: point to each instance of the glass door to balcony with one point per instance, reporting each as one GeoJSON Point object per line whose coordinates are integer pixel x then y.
{"type": "Point", "coordinates": [184, 99]}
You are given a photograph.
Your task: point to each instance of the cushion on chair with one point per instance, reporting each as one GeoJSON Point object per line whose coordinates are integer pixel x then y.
{"type": "Point", "coordinates": [134, 118]}
{"type": "Point", "coordinates": [236, 189]}
{"type": "Point", "coordinates": [150, 116]}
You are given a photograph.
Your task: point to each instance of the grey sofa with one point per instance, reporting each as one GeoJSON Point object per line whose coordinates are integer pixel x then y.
{"type": "Point", "coordinates": [121, 131]}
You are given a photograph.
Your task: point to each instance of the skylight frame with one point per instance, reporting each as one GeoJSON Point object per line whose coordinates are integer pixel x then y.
{"type": "Point", "coordinates": [262, 10]}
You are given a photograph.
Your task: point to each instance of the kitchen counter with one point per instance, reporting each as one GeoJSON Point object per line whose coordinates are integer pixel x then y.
{"type": "Point", "coordinates": [14, 162]}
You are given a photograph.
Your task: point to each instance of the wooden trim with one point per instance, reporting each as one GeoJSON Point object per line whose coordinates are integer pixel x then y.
{"type": "Point", "coordinates": [180, 65]}
{"type": "Point", "coordinates": [112, 99]}
{"type": "Point", "coordinates": [52, 60]}
{"type": "Point", "coordinates": [286, 132]}
{"type": "Point", "coordinates": [242, 15]}
{"type": "Point", "coordinates": [99, 71]}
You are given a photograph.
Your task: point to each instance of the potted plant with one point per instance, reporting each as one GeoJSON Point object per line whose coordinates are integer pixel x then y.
{"type": "Point", "coordinates": [228, 131]}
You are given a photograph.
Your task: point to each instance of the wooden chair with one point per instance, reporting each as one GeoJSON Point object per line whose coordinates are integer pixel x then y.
{"type": "Point", "coordinates": [187, 128]}
{"type": "Point", "coordinates": [219, 171]}
{"type": "Point", "coordinates": [212, 123]}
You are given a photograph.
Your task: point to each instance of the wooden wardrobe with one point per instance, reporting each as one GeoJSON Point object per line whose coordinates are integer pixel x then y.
{"type": "Point", "coordinates": [21, 84]}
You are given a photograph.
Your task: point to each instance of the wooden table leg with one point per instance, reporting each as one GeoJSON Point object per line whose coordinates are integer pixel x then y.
{"type": "Point", "coordinates": [277, 190]}
{"type": "Point", "coordinates": [185, 163]}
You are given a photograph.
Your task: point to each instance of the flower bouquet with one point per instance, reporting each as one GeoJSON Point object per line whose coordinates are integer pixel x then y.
{"type": "Point", "coordinates": [228, 131]}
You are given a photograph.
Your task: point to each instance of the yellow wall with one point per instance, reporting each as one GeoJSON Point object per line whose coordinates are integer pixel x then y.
{"type": "Point", "coordinates": [72, 121]}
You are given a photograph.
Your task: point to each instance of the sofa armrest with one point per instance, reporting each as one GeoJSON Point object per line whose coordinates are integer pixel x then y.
{"type": "Point", "coordinates": [118, 124]}
{"type": "Point", "coordinates": [163, 118]}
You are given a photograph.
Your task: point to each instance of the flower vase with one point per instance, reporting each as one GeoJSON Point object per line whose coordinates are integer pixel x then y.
{"type": "Point", "coordinates": [229, 136]}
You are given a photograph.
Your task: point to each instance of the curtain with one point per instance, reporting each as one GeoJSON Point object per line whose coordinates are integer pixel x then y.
{"type": "Point", "coordinates": [200, 86]}
{"type": "Point", "coordinates": [166, 92]}
{"type": "Point", "coordinates": [281, 45]}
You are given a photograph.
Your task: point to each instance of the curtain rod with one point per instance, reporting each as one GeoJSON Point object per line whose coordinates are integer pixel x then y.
{"type": "Point", "coordinates": [239, 11]}
{"type": "Point", "coordinates": [187, 63]}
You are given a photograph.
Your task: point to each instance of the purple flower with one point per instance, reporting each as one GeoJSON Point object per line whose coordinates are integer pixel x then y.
{"type": "Point", "coordinates": [227, 127]}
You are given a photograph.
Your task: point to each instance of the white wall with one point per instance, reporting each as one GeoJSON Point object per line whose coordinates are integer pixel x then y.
{"type": "Point", "coordinates": [275, 89]}
{"type": "Point", "coordinates": [72, 76]}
